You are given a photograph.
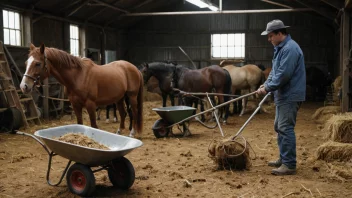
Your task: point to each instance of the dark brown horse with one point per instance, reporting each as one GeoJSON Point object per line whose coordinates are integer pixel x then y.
{"type": "Point", "coordinates": [88, 85]}
{"type": "Point", "coordinates": [208, 79]}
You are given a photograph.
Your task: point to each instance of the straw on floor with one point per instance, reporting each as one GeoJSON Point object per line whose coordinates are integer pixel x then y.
{"type": "Point", "coordinates": [339, 128]}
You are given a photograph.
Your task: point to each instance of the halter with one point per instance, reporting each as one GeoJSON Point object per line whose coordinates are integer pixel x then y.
{"type": "Point", "coordinates": [37, 80]}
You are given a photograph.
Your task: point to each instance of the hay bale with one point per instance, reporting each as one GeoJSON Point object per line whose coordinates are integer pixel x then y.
{"type": "Point", "coordinates": [230, 154]}
{"type": "Point", "coordinates": [339, 128]}
{"type": "Point", "coordinates": [330, 151]}
{"type": "Point", "coordinates": [323, 114]}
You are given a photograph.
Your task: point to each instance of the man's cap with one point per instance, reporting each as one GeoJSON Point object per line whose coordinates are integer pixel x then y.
{"type": "Point", "coordinates": [274, 25]}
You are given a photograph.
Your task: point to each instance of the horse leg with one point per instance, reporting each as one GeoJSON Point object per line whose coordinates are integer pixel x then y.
{"type": "Point", "coordinates": [128, 107]}
{"type": "Point", "coordinates": [107, 108]}
{"type": "Point", "coordinates": [98, 113]}
{"type": "Point", "coordinates": [244, 105]}
{"type": "Point", "coordinates": [133, 102]}
{"type": "Point", "coordinates": [164, 95]}
{"type": "Point", "coordinates": [90, 106]}
{"type": "Point", "coordinates": [122, 112]}
{"type": "Point", "coordinates": [78, 111]}
{"type": "Point", "coordinates": [114, 109]}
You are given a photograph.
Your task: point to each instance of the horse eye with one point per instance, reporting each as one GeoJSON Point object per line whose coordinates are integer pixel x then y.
{"type": "Point", "coordinates": [37, 64]}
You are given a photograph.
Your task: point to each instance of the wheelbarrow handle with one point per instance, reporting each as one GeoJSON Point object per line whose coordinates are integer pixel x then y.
{"type": "Point", "coordinates": [35, 138]}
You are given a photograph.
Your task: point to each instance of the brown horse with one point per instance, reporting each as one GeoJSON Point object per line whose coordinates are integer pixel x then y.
{"type": "Point", "coordinates": [245, 77]}
{"type": "Point", "coordinates": [88, 85]}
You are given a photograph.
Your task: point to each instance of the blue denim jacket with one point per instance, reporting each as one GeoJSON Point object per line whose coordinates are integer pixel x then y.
{"type": "Point", "coordinates": [287, 78]}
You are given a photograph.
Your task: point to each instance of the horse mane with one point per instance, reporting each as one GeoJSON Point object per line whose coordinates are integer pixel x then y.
{"type": "Point", "coordinates": [61, 58]}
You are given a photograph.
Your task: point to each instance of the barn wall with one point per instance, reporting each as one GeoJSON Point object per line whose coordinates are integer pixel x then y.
{"type": "Point", "coordinates": [157, 37]}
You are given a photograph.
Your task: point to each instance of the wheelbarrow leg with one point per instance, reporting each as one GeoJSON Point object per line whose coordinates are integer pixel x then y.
{"type": "Point", "coordinates": [49, 167]}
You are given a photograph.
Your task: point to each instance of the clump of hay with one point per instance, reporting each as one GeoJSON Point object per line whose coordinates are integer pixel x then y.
{"type": "Point", "coordinates": [323, 114]}
{"type": "Point", "coordinates": [339, 128]}
{"type": "Point", "coordinates": [230, 154]}
{"type": "Point", "coordinates": [330, 151]}
{"type": "Point", "coordinates": [82, 140]}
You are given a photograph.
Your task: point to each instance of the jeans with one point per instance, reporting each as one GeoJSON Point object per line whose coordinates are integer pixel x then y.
{"type": "Point", "coordinates": [285, 121]}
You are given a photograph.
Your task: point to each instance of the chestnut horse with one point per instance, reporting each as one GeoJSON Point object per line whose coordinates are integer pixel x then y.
{"type": "Point", "coordinates": [245, 77]}
{"type": "Point", "coordinates": [88, 85]}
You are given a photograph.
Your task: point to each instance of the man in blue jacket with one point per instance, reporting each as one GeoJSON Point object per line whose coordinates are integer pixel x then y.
{"type": "Point", "coordinates": [287, 80]}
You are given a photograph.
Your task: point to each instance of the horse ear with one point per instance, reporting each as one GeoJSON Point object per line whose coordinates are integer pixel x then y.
{"type": "Point", "coordinates": [42, 48]}
{"type": "Point", "coordinates": [32, 47]}
{"type": "Point", "coordinates": [146, 65]}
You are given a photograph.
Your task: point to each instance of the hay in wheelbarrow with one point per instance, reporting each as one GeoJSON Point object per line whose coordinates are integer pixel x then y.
{"type": "Point", "coordinates": [82, 140]}
{"type": "Point", "coordinates": [323, 114]}
{"type": "Point", "coordinates": [339, 128]}
{"type": "Point", "coordinates": [334, 151]}
{"type": "Point", "coordinates": [230, 154]}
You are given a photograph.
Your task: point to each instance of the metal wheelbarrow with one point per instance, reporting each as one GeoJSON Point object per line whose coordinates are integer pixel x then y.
{"type": "Point", "coordinates": [80, 176]}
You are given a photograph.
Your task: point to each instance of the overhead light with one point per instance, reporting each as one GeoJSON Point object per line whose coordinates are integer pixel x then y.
{"type": "Point", "coordinates": [198, 3]}
{"type": "Point", "coordinates": [204, 4]}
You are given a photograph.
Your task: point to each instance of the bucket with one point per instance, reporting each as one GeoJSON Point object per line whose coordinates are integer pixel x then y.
{"type": "Point", "coordinates": [10, 120]}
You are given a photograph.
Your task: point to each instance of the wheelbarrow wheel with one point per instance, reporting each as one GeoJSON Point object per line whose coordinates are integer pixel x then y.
{"type": "Point", "coordinates": [80, 179]}
{"type": "Point", "coordinates": [160, 129]}
{"type": "Point", "coordinates": [121, 173]}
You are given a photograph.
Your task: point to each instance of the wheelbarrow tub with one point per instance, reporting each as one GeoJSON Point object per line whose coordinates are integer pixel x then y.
{"type": "Point", "coordinates": [119, 145]}
{"type": "Point", "coordinates": [174, 114]}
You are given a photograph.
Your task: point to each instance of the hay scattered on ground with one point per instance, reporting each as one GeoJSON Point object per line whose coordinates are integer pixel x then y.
{"type": "Point", "coordinates": [330, 151]}
{"type": "Point", "coordinates": [335, 170]}
{"type": "Point", "coordinates": [339, 128]}
{"type": "Point", "coordinates": [323, 114]}
{"type": "Point", "coordinates": [230, 155]}
{"type": "Point", "coordinates": [82, 140]}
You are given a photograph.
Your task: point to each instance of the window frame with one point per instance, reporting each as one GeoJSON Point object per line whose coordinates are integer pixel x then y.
{"type": "Point", "coordinates": [242, 45]}
{"type": "Point", "coordinates": [72, 38]}
{"type": "Point", "coordinates": [19, 29]}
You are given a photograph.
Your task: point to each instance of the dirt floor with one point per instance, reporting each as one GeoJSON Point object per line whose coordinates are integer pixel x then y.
{"type": "Point", "coordinates": [162, 166]}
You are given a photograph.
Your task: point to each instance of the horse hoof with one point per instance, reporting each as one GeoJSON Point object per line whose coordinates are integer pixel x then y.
{"type": "Point", "coordinates": [107, 121]}
{"type": "Point", "coordinates": [115, 120]}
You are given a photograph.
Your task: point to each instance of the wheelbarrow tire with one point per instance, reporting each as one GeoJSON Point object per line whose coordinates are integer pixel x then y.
{"type": "Point", "coordinates": [121, 173]}
{"type": "Point", "coordinates": [80, 179]}
{"type": "Point", "coordinates": [160, 129]}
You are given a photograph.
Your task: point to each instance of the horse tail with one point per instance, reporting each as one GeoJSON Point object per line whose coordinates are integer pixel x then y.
{"type": "Point", "coordinates": [139, 118]}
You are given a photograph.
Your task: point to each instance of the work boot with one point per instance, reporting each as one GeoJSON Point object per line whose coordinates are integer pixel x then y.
{"type": "Point", "coordinates": [276, 163]}
{"type": "Point", "coordinates": [283, 170]}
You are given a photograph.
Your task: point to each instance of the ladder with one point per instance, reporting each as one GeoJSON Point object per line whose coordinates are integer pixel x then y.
{"type": "Point", "coordinates": [9, 95]}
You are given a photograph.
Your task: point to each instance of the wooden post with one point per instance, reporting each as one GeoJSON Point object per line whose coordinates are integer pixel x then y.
{"type": "Point", "coordinates": [345, 31]}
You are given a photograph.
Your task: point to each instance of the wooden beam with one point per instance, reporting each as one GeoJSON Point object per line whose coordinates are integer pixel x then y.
{"type": "Point", "coordinates": [69, 5]}
{"type": "Point", "coordinates": [324, 14]}
{"type": "Point", "coordinates": [345, 60]}
{"type": "Point", "coordinates": [333, 3]}
{"type": "Point", "coordinates": [278, 4]}
{"type": "Point", "coordinates": [81, 5]}
{"type": "Point", "coordinates": [111, 6]}
{"type": "Point", "coordinates": [133, 8]}
{"type": "Point", "coordinates": [101, 11]}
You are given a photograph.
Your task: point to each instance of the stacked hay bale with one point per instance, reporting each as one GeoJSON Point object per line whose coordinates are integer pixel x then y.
{"type": "Point", "coordinates": [338, 147]}
{"type": "Point", "coordinates": [323, 114]}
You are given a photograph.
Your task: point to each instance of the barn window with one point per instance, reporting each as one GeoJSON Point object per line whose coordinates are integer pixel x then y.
{"type": "Point", "coordinates": [227, 45]}
{"type": "Point", "coordinates": [74, 40]}
{"type": "Point", "coordinates": [12, 28]}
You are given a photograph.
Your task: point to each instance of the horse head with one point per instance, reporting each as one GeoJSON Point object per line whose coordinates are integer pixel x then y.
{"type": "Point", "coordinates": [144, 69]}
{"type": "Point", "coordinates": [36, 68]}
